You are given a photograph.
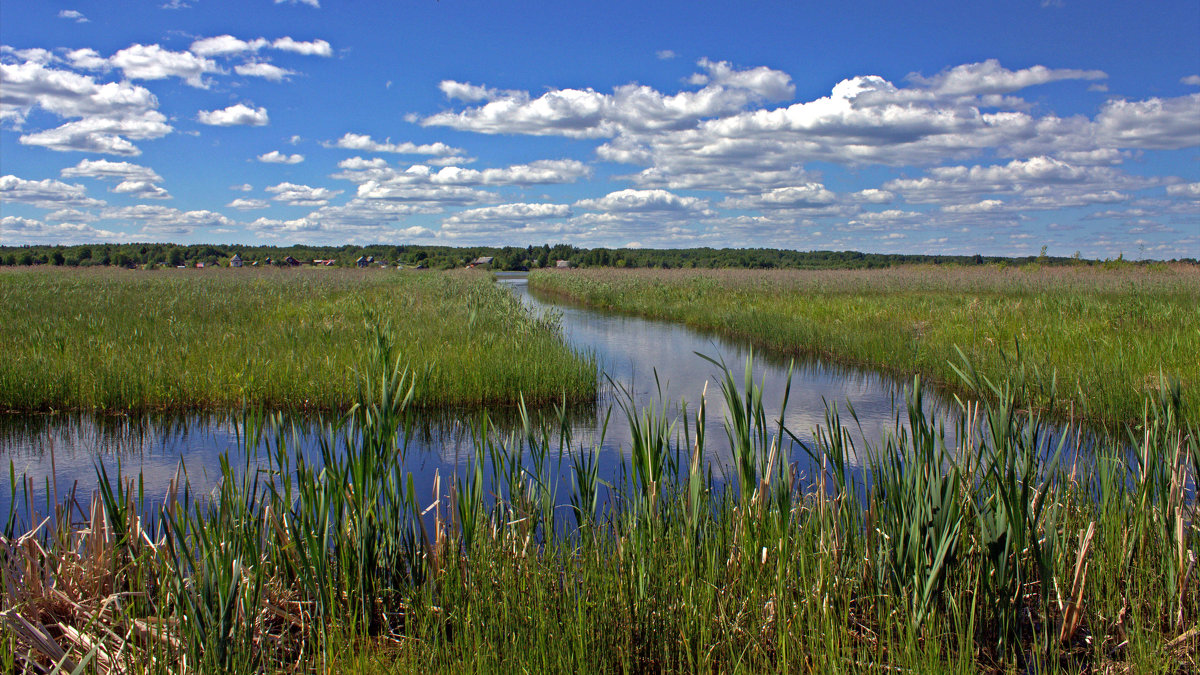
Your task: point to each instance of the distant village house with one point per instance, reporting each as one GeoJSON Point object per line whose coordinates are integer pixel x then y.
{"type": "Point", "coordinates": [235, 261]}
{"type": "Point", "coordinates": [482, 261]}
{"type": "Point", "coordinates": [562, 264]}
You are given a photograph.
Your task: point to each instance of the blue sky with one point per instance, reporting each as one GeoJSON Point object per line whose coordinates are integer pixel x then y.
{"type": "Point", "coordinates": [957, 127]}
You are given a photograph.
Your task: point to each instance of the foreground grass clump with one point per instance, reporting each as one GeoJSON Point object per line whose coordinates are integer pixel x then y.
{"type": "Point", "coordinates": [111, 339]}
{"type": "Point", "coordinates": [1105, 335]}
{"type": "Point", "coordinates": [995, 554]}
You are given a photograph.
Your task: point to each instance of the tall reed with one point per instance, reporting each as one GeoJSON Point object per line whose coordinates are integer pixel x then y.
{"type": "Point", "coordinates": [951, 552]}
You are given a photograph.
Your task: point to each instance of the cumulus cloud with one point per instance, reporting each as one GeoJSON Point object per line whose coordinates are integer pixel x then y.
{"type": "Point", "coordinates": [225, 45]}
{"type": "Point", "coordinates": [248, 204]}
{"type": "Point", "coordinates": [228, 45]}
{"type": "Point", "coordinates": [16, 231]}
{"type": "Point", "coordinates": [874, 196]}
{"type": "Point", "coordinates": [522, 221]}
{"type": "Point", "coordinates": [265, 70]}
{"type": "Point", "coordinates": [141, 189]}
{"type": "Point", "coordinates": [642, 201]}
{"type": "Point", "coordinates": [302, 195]}
{"type": "Point", "coordinates": [1034, 177]}
{"type": "Point", "coordinates": [72, 215]}
{"type": "Point", "coordinates": [238, 114]}
{"type": "Point", "coordinates": [364, 143]}
{"type": "Point", "coordinates": [1193, 80]}
{"type": "Point", "coordinates": [811, 195]}
{"type": "Point", "coordinates": [1156, 123]}
{"type": "Point", "coordinates": [72, 15]}
{"type": "Point", "coordinates": [311, 48]}
{"type": "Point", "coordinates": [989, 77]}
{"type": "Point", "coordinates": [1185, 190]}
{"type": "Point", "coordinates": [665, 54]}
{"type": "Point", "coordinates": [277, 157]}
{"type": "Point", "coordinates": [166, 221]}
{"type": "Point", "coordinates": [109, 114]}
{"type": "Point", "coordinates": [105, 169]}
{"type": "Point", "coordinates": [513, 212]}
{"type": "Point", "coordinates": [45, 193]}
{"type": "Point", "coordinates": [541, 172]}
{"type": "Point", "coordinates": [310, 3]}
{"type": "Point", "coordinates": [152, 62]}
{"type": "Point", "coordinates": [586, 113]}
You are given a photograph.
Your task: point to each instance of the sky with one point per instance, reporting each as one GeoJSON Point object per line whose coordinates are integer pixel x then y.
{"type": "Point", "coordinates": [942, 128]}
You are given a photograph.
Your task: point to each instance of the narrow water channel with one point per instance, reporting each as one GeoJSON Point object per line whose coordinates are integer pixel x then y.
{"type": "Point", "coordinates": [658, 363]}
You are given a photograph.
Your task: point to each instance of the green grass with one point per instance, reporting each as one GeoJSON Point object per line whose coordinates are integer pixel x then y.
{"type": "Point", "coordinates": [1106, 334]}
{"type": "Point", "coordinates": [955, 558]}
{"type": "Point", "coordinates": [124, 340]}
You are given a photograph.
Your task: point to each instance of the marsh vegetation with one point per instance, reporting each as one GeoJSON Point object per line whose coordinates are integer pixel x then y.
{"type": "Point", "coordinates": [291, 339]}
{"type": "Point", "coordinates": [1093, 341]}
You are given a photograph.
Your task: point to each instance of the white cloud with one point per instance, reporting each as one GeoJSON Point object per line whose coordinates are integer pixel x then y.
{"type": "Point", "coordinates": [265, 70]}
{"type": "Point", "coordinates": [158, 220]}
{"type": "Point", "coordinates": [642, 201]}
{"type": "Point", "coordinates": [73, 15]}
{"type": "Point", "coordinates": [985, 206]}
{"type": "Point", "coordinates": [1037, 178]}
{"type": "Point", "coordinates": [585, 113]}
{"type": "Point", "coordinates": [110, 114]}
{"type": "Point", "coordinates": [16, 231]}
{"type": "Point", "coordinates": [665, 54]}
{"type": "Point", "coordinates": [235, 115]}
{"type": "Point", "coordinates": [228, 45]}
{"type": "Point", "coordinates": [810, 195]}
{"type": "Point", "coordinates": [1156, 123]}
{"type": "Point", "coordinates": [302, 195]}
{"type": "Point", "coordinates": [363, 164]}
{"type": "Point", "coordinates": [465, 91]}
{"type": "Point", "coordinates": [874, 196]}
{"type": "Point", "coordinates": [72, 215]}
{"type": "Point", "coordinates": [105, 169]}
{"type": "Point", "coordinates": [364, 143]}
{"type": "Point", "coordinates": [45, 193]}
{"type": "Point", "coordinates": [248, 204]}
{"type": "Point", "coordinates": [244, 187]}
{"type": "Point", "coordinates": [1193, 80]}
{"type": "Point", "coordinates": [1185, 190]}
{"type": "Point", "coordinates": [276, 157]}
{"type": "Point", "coordinates": [141, 189]}
{"type": "Point", "coordinates": [152, 62]}
{"type": "Point", "coordinates": [546, 171]}
{"type": "Point", "coordinates": [989, 77]}
{"type": "Point", "coordinates": [312, 48]}
{"type": "Point", "coordinates": [310, 3]}
{"type": "Point", "coordinates": [225, 45]}
{"type": "Point", "coordinates": [513, 212]}
{"type": "Point", "coordinates": [87, 59]}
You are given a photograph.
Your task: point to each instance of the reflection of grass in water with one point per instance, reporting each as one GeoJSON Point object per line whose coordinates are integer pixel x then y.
{"type": "Point", "coordinates": [1106, 333]}
{"type": "Point", "coordinates": [991, 553]}
{"type": "Point", "coordinates": [284, 339]}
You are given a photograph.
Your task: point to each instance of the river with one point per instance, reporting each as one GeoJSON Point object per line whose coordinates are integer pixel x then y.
{"type": "Point", "coordinates": [658, 363]}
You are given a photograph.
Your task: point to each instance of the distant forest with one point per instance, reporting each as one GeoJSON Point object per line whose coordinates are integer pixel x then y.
{"type": "Point", "coordinates": [506, 258]}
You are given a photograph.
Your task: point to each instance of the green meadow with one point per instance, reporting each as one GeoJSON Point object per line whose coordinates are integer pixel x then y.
{"type": "Point", "coordinates": [129, 340]}
{"type": "Point", "coordinates": [1093, 340]}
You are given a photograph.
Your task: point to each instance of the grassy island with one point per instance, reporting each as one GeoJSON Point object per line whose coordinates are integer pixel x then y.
{"type": "Point", "coordinates": [1093, 340]}
{"type": "Point", "coordinates": [131, 340]}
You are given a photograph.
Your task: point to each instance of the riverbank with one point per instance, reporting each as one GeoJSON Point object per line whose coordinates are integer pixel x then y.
{"type": "Point", "coordinates": [1002, 553]}
{"type": "Point", "coordinates": [283, 339]}
{"type": "Point", "coordinates": [1092, 341]}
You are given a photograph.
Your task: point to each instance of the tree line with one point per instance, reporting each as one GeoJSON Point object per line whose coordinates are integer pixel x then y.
{"type": "Point", "coordinates": [512, 258]}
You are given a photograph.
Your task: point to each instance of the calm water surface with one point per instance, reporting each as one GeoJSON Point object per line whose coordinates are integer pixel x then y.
{"type": "Point", "coordinates": [656, 362]}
